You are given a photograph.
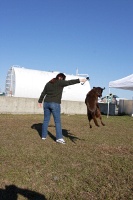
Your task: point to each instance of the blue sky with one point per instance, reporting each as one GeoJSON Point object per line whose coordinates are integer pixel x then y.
{"type": "Point", "coordinates": [95, 36]}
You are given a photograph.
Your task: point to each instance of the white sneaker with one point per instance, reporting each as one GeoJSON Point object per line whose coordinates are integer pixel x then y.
{"type": "Point", "coordinates": [43, 138]}
{"type": "Point", "coordinates": [62, 141]}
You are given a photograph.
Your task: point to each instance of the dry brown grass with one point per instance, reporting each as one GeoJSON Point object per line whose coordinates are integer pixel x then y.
{"type": "Point", "coordinates": [95, 164]}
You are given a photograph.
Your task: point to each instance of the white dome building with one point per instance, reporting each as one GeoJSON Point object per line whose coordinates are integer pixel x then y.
{"type": "Point", "coordinates": [29, 83]}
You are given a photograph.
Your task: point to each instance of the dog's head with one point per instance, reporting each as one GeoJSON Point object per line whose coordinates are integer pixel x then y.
{"type": "Point", "coordinates": [98, 91]}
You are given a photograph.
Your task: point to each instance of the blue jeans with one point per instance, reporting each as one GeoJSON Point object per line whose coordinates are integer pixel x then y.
{"type": "Point", "coordinates": [54, 109]}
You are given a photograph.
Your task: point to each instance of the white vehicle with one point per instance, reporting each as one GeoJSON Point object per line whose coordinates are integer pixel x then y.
{"type": "Point", "coordinates": [111, 98]}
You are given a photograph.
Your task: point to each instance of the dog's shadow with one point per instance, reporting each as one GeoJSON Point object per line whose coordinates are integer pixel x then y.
{"type": "Point", "coordinates": [66, 133]}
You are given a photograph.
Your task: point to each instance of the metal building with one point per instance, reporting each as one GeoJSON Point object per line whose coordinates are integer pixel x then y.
{"type": "Point", "coordinates": [29, 83]}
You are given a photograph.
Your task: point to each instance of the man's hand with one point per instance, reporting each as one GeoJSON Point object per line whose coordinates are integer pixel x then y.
{"type": "Point", "coordinates": [39, 105]}
{"type": "Point", "coordinates": [83, 80]}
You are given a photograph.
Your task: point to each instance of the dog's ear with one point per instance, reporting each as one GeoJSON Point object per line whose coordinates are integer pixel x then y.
{"type": "Point", "coordinates": [104, 88]}
{"type": "Point", "coordinates": [94, 87]}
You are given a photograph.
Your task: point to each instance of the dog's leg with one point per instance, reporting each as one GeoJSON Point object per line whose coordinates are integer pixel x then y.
{"type": "Point", "coordinates": [89, 118]}
{"type": "Point", "coordinates": [90, 125]}
{"type": "Point", "coordinates": [98, 115]}
{"type": "Point", "coordinates": [95, 120]}
{"type": "Point", "coordinates": [102, 121]}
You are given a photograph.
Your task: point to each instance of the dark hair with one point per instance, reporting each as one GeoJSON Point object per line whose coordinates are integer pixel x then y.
{"type": "Point", "coordinates": [61, 75]}
{"type": "Point", "coordinates": [57, 77]}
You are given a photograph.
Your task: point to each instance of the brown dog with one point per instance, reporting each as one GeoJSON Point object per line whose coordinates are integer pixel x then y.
{"type": "Point", "coordinates": [91, 101]}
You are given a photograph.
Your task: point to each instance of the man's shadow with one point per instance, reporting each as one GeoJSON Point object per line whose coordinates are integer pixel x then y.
{"type": "Point", "coordinates": [66, 133]}
{"type": "Point", "coordinates": [38, 128]}
{"type": "Point", "coordinates": [11, 192]}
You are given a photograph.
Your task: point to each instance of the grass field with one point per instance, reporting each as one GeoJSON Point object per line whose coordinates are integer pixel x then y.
{"type": "Point", "coordinates": [94, 164]}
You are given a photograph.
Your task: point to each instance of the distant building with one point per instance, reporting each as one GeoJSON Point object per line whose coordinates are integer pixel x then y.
{"type": "Point", "coordinates": [2, 94]}
{"type": "Point", "coordinates": [29, 83]}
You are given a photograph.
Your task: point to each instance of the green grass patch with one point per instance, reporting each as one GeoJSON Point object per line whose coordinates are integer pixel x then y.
{"type": "Point", "coordinates": [95, 164]}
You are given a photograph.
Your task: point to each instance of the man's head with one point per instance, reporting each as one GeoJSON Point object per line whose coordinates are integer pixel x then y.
{"type": "Point", "coordinates": [61, 76]}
